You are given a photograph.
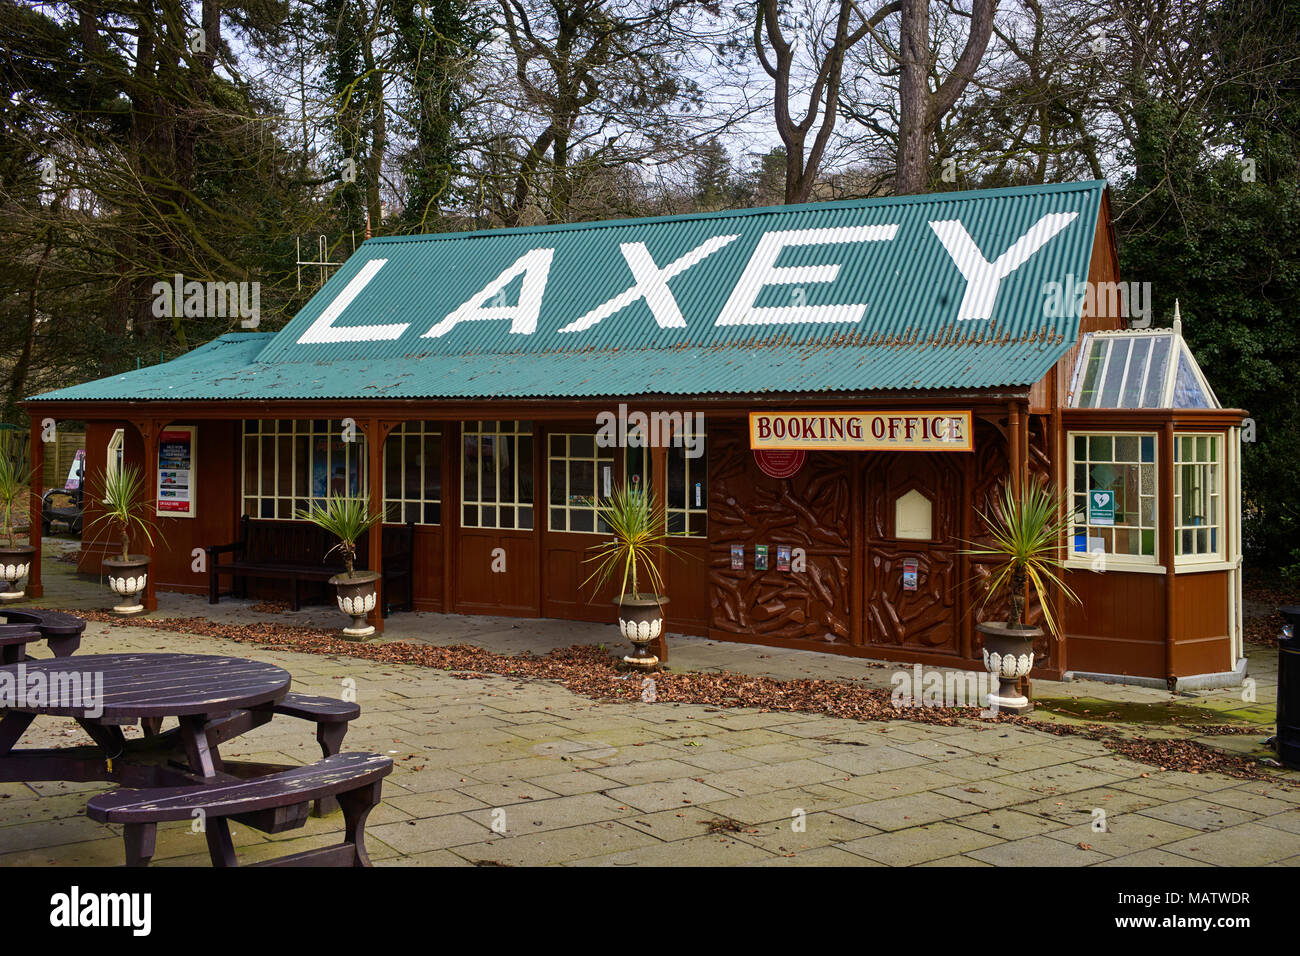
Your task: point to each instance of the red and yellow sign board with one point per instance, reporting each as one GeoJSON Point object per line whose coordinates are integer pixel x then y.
{"type": "Point", "coordinates": [927, 430]}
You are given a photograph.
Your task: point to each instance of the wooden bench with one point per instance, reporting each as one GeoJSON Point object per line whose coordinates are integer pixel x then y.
{"type": "Point", "coordinates": [272, 804]}
{"type": "Point", "coordinates": [297, 551]}
{"type": "Point", "coordinates": [62, 632]}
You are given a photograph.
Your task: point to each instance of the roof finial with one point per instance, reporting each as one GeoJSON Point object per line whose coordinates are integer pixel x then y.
{"type": "Point", "coordinates": [368, 230]}
{"type": "Point", "coordinates": [1178, 320]}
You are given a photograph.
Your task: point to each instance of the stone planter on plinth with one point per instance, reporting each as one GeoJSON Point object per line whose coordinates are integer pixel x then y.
{"type": "Point", "coordinates": [641, 621]}
{"type": "Point", "coordinates": [127, 579]}
{"type": "Point", "coordinates": [358, 594]}
{"type": "Point", "coordinates": [15, 565]}
{"type": "Point", "coordinates": [1009, 656]}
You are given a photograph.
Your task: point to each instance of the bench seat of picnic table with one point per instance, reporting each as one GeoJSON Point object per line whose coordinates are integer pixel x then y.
{"type": "Point", "coordinates": [331, 717]}
{"type": "Point", "coordinates": [272, 804]}
{"type": "Point", "coordinates": [323, 710]}
{"type": "Point", "coordinates": [61, 631]}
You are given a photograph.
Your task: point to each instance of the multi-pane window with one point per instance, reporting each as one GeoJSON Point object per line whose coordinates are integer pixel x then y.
{"type": "Point", "coordinates": [413, 473]}
{"type": "Point", "coordinates": [1113, 491]}
{"type": "Point", "coordinates": [581, 477]}
{"type": "Point", "coordinates": [688, 491]}
{"type": "Point", "coordinates": [1198, 496]}
{"type": "Point", "coordinates": [287, 464]}
{"type": "Point", "coordinates": [497, 475]}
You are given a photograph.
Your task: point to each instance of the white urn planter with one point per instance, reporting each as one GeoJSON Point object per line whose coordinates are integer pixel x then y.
{"type": "Point", "coordinates": [358, 594]}
{"type": "Point", "coordinates": [1009, 656]}
{"type": "Point", "coordinates": [127, 579]}
{"type": "Point", "coordinates": [15, 565]}
{"type": "Point", "coordinates": [641, 621]}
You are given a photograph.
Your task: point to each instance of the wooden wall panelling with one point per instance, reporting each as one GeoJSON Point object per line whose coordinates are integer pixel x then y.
{"type": "Point", "coordinates": [809, 511]}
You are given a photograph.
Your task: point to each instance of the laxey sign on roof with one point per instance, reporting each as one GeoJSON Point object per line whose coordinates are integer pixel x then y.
{"type": "Point", "coordinates": [916, 292]}
{"type": "Point", "coordinates": [949, 267]}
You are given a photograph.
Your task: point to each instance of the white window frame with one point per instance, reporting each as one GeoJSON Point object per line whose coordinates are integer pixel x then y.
{"type": "Point", "coordinates": [287, 506]}
{"type": "Point", "coordinates": [1132, 562]}
{"type": "Point", "coordinates": [496, 430]}
{"type": "Point", "coordinates": [116, 451]}
{"type": "Point", "coordinates": [421, 436]}
{"type": "Point", "coordinates": [1219, 465]}
{"type": "Point", "coordinates": [600, 458]}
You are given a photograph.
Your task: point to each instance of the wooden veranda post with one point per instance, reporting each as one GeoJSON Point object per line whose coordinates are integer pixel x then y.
{"type": "Point", "coordinates": [376, 433]}
{"type": "Point", "coordinates": [36, 459]}
{"type": "Point", "coordinates": [659, 493]}
{"type": "Point", "coordinates": [149, 430]}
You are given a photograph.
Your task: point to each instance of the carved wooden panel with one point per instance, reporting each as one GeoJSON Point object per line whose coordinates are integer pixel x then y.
{"type": "Point", "coordinates": [927, 618]}
{"type": "Point", "coordinates": [809, 511]}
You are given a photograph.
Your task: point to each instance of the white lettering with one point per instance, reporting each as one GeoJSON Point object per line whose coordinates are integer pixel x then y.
{"type": "Point", "coordinates": [651, 284]}
{"type": "Point", "coordinates": [534, 266]}
{"type": "Point", "coordinates": [763, 271]}
{"type": "Point", "coordinates": [984, 277]}
{"type": "Point", "coordinates": [323, 330]}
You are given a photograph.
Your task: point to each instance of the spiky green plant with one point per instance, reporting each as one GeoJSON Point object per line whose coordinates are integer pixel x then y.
{"type": "Point", "coordinates": [1026, 531]}
{"type": "Point", "coordinates": [13, 483]}
{"type": "Point", "coordinates": [640, 529]}
{"type": "Point", "coordinates": [126, 507]}
{"type": "Point", "coordinates": [345, 517]}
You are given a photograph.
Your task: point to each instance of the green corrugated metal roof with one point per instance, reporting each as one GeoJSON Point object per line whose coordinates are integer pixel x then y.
{"type": "Point", "coordinates": [916, 292]}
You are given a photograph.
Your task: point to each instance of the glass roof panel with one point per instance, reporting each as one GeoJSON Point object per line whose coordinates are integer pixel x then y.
{"type": "Point", "coordinates": [1188, 392]}
{"type": "Point", "coordinates": [1132, 369]}
{"type": "Point", "coordinates": [1155, 385]}
{"type": "Point", "coordinates": [1115, 371]}
{"type": "Point", "coordinates": [1138, 362]}
{"type": "Point", "coordinates": [1092, 373]}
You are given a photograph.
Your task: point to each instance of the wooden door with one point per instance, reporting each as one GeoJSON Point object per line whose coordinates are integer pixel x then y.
{"type": "Point", "coordinates": [912, 510]}
{"type": "Point", "coordinates": [496, 568]}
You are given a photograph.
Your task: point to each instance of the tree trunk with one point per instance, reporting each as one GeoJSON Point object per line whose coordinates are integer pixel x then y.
{"type": "Point", "coordinates": [914, 97]}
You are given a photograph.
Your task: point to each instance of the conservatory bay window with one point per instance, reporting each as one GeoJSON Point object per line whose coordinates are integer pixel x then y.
{"type": "Point", "coordinates": [1198, 498]}
{"type": "Point", "coordinates": [1113, 497]}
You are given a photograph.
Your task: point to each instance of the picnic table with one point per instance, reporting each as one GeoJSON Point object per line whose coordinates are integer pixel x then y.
{"type": "Point", "coordinates": [213, 699]}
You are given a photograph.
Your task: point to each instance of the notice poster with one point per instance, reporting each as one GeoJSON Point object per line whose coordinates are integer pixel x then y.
{"type": "Point", "coordinates": [760, 557]}
{"type": "Point", "coordinates": [783, 557]}
{"type": "Point", "coordinates": [1101, 507]}
{"type": "Point", "coordinates": [176, 472]}
{"type": "Point", "coordinates": [737, 557]}
{"type": "Point", "coordinates": [910, 568]}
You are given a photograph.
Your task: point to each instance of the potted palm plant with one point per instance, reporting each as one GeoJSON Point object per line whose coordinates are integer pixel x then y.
{"type": "Point", "coordinates": [347, 519]}
{"type": "Point", "coordinates": [126, 509]}
{"type": "Point", "coordinates": [640, 528]}
{"type": "Point", "coordinates": [1025, 531]}
{"type": "Point", "coordinates": [15, 559]}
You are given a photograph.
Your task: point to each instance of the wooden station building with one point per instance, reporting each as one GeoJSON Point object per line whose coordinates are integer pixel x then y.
{"type": "Point", "coordinates": [824, 397]}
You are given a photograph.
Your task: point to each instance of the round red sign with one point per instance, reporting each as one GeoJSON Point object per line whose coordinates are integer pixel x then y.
{"type": "Point", "coordinates": [780, 463]}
